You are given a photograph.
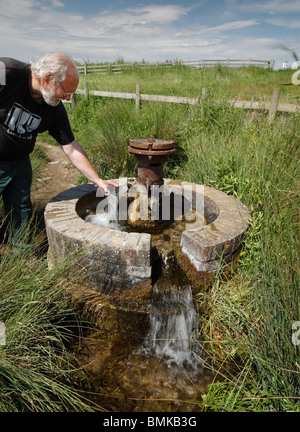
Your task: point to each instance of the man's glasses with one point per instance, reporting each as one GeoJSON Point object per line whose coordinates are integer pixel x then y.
{"type": "Point", "coordinates": [65, 92]}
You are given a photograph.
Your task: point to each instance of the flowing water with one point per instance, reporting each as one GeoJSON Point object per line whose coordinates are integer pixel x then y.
{"type": "Point", "coordinates": [165, 371]}
{"type": "Point", "coordinates": [173, 334]}
{"type": "Point", "coordinates": [109, 216]}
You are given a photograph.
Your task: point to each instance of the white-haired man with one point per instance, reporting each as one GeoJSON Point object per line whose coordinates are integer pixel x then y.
{"type": "Point", "coordinates": [30, 103]}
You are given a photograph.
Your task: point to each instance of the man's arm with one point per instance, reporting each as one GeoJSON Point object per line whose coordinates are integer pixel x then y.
{"type": "Point", "coordinates": [80, 160]}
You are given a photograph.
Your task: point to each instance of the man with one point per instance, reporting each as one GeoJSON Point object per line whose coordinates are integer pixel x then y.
{"type": "Point", "coordinates": [30, 103]}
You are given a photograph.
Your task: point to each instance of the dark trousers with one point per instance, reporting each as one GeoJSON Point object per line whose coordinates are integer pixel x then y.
{"type": "Point", "coordinates": [15, 184]}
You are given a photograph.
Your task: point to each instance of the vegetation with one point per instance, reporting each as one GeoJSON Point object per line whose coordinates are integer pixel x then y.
{"type": "Point", "coordinates": [248, 323]}
{"type": "Point", "coordinates": [185, 81]}
{"type": "Point", "coordinates": [37, 370]}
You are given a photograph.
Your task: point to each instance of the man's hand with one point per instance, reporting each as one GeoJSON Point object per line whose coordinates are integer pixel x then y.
{"type": "Point", "coordinates": [103, 184]}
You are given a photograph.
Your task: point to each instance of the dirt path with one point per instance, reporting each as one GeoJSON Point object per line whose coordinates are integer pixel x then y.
{"type": "Point", "coordinates": [57, 175]}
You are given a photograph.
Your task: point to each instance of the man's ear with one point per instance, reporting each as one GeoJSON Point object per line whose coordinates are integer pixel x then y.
{"type": "Point", "coordinates": [48, 77]}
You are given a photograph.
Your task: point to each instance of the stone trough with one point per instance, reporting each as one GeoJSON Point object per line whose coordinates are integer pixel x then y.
{"type": "Point", "coordinates": [114, 261]}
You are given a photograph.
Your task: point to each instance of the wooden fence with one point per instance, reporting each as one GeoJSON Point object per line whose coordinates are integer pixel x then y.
{"type": "Point", "coordinates": [121, 67]}
{"type": "Point", "coordinates": [271, 106]}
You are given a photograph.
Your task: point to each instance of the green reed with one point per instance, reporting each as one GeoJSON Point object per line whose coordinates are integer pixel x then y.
{"type": "Point", "coordinates": [38, 372]}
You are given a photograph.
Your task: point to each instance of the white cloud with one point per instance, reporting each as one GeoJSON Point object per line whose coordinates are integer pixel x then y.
{"type": "Point", "coordinates": [234, 25]}
{"type": "Point", "coordinates": [57, 3]}
{"type": "Point", "coordinates": [29, 28]}
{"type": "Point", "coordinates": [288, 23]}
{"type": "Point", "coordinates": [272, 6]}
{"type": "Point", "coordinates": [107, 34]}
{"type": "Point", "coordinates": [152, 15]}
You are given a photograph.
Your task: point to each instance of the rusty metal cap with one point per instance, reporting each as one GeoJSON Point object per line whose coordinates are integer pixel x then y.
{"type": "Point", "coordinates": [150, 144]}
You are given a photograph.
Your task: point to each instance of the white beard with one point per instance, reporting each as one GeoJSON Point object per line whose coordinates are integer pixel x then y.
{"type": "Point", "coordinates": [49, 98]}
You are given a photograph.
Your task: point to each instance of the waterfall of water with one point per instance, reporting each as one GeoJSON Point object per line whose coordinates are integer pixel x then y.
{"type": "Point", "coordinates": [174, 322]}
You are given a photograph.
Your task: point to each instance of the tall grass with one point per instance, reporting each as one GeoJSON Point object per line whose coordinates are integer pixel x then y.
{"type": "Point", "coordinates": [185, 81]}
{"type": "Point", "coordinates": [37, 369]}
{"type": "Point", "coordinates": [253, 313]}
{"type": "Point", "coordinates": [104, 128]}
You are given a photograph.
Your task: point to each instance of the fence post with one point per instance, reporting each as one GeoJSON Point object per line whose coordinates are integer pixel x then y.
{"type": "Point", "coordinates": [273, 105]}
{"type": "Point", "coordinates": [271, 64]}
{"type": "Point", "coordinates": [85, 69]}
{"type": "Point", "coordinates": [86, 89]}
{"type": "Point", "coordinates": [203, 97]}
{"type": "Point", "coordinates": [137, 97]}
{"type": "Point", "coordinates": [73, 103]}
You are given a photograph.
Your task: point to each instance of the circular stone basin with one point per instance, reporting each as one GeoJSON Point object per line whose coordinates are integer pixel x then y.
{"type": "Point", "coordinates": [114, 260]}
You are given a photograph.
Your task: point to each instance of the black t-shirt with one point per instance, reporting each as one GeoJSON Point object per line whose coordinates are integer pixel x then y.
{"type": "Point", "coordinates": [22, 118]}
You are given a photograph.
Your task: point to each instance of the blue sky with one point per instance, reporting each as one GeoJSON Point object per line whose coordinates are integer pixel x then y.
{"type": "Point", "coordinates": [150, 30]}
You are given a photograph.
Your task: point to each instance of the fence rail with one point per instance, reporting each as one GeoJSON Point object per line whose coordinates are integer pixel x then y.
{"type": "Point", "coordinates": [271, 106]}
{"type": "Point", "coordinates": [267, 64]}
{"type": "Point", "coordinates": [121, 67]}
